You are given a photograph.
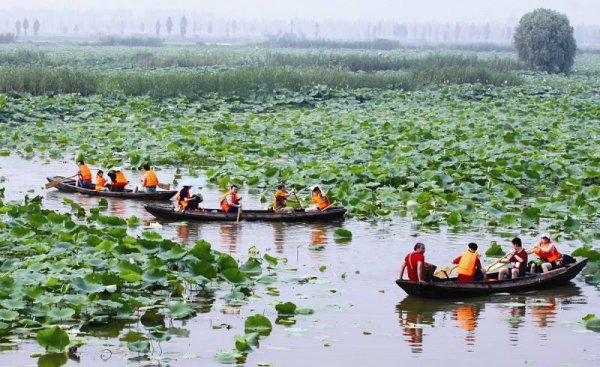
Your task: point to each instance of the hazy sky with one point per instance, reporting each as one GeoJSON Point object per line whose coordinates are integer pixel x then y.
{"type": "Point", "coordinates": [579, 11]}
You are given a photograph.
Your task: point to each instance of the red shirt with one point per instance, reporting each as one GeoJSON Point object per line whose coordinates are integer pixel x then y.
{"type": "Point", "coordinates": [523, 255]}
{"type": "Point", "coordinates": [412, 260]}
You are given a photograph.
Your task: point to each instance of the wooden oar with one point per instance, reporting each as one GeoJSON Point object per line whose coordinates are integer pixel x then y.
{"type": "Point", "coordinates": [492, 266]}
{"type": "Point", "coordinates": [298, 200]}
{"type": "Point", "coordinates": [239, 212]}
{"type": "Point", "coordinates": [164, 186]}
{"type": "Point", "coordinates": [327, 207]}
{"type": "Point", "coordinates": [51, 184]}
{"type": "Point", "coordinates": [445, 272]}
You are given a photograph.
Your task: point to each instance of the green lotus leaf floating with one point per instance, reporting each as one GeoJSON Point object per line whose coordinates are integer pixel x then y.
{"type": "Point", "coordinates": [53, 339]}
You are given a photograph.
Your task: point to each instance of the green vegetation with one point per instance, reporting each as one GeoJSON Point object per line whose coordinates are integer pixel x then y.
{"type": "Point", "coordinates": [544, 40]}
{"type": "Point", "coordinates": [131, 41]}
{"type": "Point", "coordinates": [84, 271]}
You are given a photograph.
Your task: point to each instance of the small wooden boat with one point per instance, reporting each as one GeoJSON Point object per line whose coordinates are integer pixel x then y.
{"type": "Point", "coordinates": [452, 288]}
{"type": "Point", "coordinates": [69, 186]}
{"type": "Point", "coordinates": [165, 212]}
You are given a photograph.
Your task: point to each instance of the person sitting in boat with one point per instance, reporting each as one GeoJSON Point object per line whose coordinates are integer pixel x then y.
{"type": "Point", "coordinates": [549, 257]}
{"type": "Point", "coordinates": [230, 201]}
{"type": "Point", "coordinates": [518, 259]}
{"type": "Point", "coordinates": [186, 201]}
{"type": "Point", "coordinates": [84, 175]}
{"type": "Point", "coordinates": [469, 266]}
{"type": "Point", "coordinates": [418, 269]}
{"type": "Point", "coordinates": [100, 181]}
{"type": "Point", "coordinates": [280, 199]}
{"type": "Point", "coordinates": [149, 180]}
{"type": "Point", "coordinates": [119, 181]}
{"type": "Point", "coordinates": [320, 200]}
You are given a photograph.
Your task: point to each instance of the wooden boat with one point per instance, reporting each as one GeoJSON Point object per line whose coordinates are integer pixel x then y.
{"type": "Point", "coordinates": [452, 288]}
{"type": "Point", "coordinates": [165, 212]}
{"type": "Point", "coordinates": [69, 186]}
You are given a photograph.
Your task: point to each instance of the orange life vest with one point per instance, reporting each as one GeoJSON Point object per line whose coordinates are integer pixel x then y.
{"type": "Point", "coordinates": [151, 179]}
{"type": "Point", "coordinates": [279, 200]}
{"type": "Point", "coordinates": [100, 182]}
{"type": "Point", "coordinates": [184, 204]}
{"type": "Point", "coordinates": [85, 173]}
{"type": "Point", "coordinates": [223, 200]}
{"type": "Point", "coordinates": [468, 263]}
{"type": "Point", "coordinates": [317, 198]}
{"type": "Point", "coordinates": [543, 251]}
{"type": "Point", "coordinates": [121, 179]}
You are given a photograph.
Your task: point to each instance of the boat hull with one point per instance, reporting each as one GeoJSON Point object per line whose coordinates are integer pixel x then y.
{"type": "Point", "coordinates": [451, 288]}
{"type": "Point", "coordinates": [69, 186]}
{"type": "Point", "coordinates": [219, 215]}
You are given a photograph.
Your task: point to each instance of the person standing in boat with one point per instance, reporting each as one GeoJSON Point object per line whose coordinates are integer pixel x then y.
{"type": "Point", "coordinates": [548, 255]}
{"type": "Point", "coordinates": [100, 181]}
{"type": "Point", "coordinates": [469, 266]}
{"type": "Point", "coordinates": [149, 180]}
{"type": "Point", "coordinates": [280, 199]}
{"type": "Point", "coordinates": [418, 269]}
{"type": "Point", "coordinates": [518, 259]}
{"type": "Point", "coordinates": [84, 175]}
{"type": "Point", "coordinates": [320, 200]}
{"type": "Point", "coordinates": [230, 201]}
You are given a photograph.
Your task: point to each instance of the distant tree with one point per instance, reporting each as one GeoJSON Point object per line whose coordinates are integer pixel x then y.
{"type": "Point", "coordinates": [76, 28]}
{"type": "Point", "coordinates": [142, 27]}
{"type": "Point", "coordinates": [487, 30]}
{"type": "Point", "coordinates": [544, 40]}
{"type": "Point", "coordinates": [157, 27]}
{"type": "Point", "coordinates": [18, 27]}
{"type": "Point", "coordinates": [209, 27]}
{"type": "Point", "coordinates": [194, 26]}
{"type": "Point", "coordinates": [316, 29]}
{"type": "Point", "coordinates": [183, 23]}
{"type": "Point", "coordinates": [227, 29]}
{"type": "Point", "coordinates": [36, 27]}
{"type": "Point", "coordinates": [25, 26]}
{"type": "Point", "coordinates": [234, 27]}
{"type": "Point", "coordinates": [457, 32]}
{"type": "Point", "coordinates": [169, 25]}
{"type": "Point", "coordinates": [122, 27]}
{"type": "Point", "coordinates": [400, 31]}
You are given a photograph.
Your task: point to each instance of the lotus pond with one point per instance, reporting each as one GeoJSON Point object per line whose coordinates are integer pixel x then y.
{"type": "Point", "coordinates": [145, 292]}
{"type": "Point", "coordinates": [102, 283]}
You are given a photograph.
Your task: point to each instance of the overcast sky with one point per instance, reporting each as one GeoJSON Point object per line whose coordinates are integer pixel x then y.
{"type": "Point", "coordinates": [579, 11]}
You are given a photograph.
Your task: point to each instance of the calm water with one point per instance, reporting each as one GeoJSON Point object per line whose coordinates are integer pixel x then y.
{"type": "Point", "coordinates": [361, 317]}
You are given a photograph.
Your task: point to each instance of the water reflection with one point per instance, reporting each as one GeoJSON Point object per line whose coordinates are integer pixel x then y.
{"type": "Point", "coordinates": [279, 232]}
{"type": "Point", "coordinates": [466, 316]}
{"type": "Point", "coordinates": [229, 236]}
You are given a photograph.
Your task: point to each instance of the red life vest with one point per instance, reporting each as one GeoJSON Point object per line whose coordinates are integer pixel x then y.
{"type": "Point", "coordinates": [317, 198]}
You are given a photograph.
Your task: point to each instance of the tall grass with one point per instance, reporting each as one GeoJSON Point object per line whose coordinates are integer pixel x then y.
{"type": "Point", "coordinates": [241, 81]}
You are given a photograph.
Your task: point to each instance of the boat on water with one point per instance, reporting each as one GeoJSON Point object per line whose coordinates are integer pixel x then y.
{"type": "Point", "coordinates": [167, 212]}
{"type": "Point", "coordinates": [69, 186]}
{"type": "Point", "coordinates": [452, 288]}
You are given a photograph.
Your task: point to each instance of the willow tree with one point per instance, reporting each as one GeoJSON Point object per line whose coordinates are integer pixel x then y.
{"type": "Point", "coordinates": [544, 41]}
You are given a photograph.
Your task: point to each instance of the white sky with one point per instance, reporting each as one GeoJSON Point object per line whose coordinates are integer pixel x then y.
{"type": "Point", "coordinates": [578, 11]}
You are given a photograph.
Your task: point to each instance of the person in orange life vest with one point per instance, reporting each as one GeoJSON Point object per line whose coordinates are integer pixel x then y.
{"type": "Point", "coordinates": [469, 266]}
{"type": "Point", "coordinates": [183, 198]}
{"type": "Point", "coordinates": [319, 200]}
{"type": "Point", "coordinates": [120, 181]}
{"type": "Point", "coordinates": [518, 259]}
{"type": "Point", "coordinates": [84, 175]}
{"type": "Point", "coordinates": [279, 201]}
{"type": "Point", "coordinates": [548, 254]}
{"type": "Point", "coordinates": [418, 269]}
{"type": "Point", "coordinates": [149, 181]}
{"type": "Point", "coordinates": [100, 181]}
{"type": "Point", "coordinates": [230, 201]}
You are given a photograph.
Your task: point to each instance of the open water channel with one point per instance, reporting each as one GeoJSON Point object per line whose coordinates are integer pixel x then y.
{"type": "Point", "coordinates": [361, 317]}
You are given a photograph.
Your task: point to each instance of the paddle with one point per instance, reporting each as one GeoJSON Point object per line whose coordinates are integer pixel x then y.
{"type": "Point", "coordinates": [164, 186]}
{"type": "Point", "coordinates": [51, 184]}
{"type": "Point", "coordinates": [298, 200]}
{"type": "Point", "coordinates": [239, 213]}
{"type": "Point", "coordinates": [327, 207]}
{"type": "Point", "coordinates": [492, 266]}
{"type": "Point", "coordinates": [445, 271]}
